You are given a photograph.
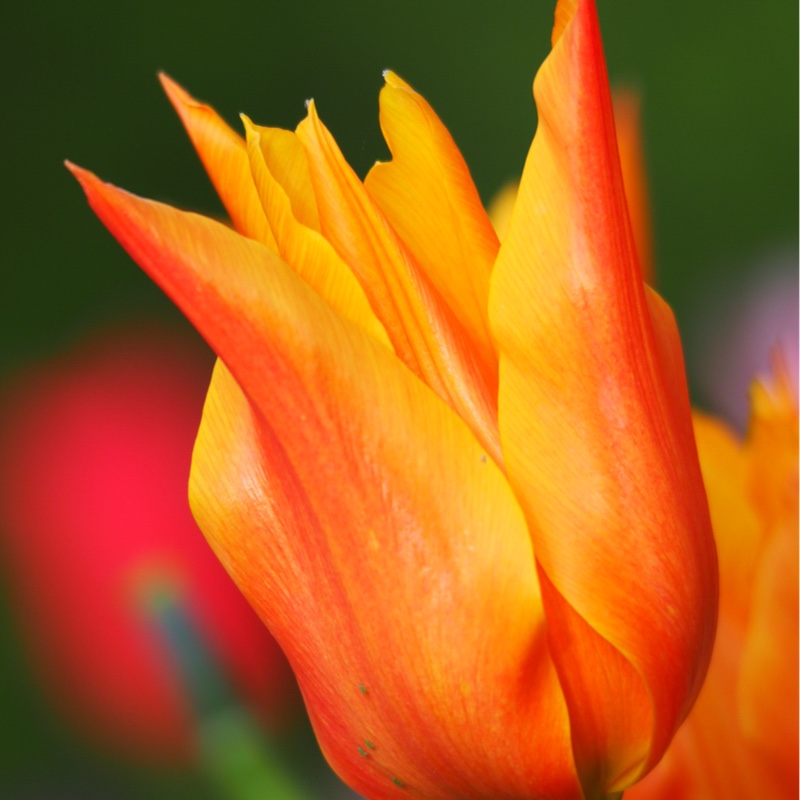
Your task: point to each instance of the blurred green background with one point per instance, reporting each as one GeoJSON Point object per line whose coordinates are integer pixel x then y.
{"type": "Point", "coordinates": [719, 82]}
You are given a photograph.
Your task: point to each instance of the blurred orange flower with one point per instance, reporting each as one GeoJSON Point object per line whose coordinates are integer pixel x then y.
{"type": "Point", "coordinates": [741, 739]}
{"type": "Point", "coordinates": [94, 457]}
{"type": "Point", "coordinates": [458, 481]}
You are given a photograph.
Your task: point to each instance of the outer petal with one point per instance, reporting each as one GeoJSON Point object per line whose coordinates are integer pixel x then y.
{"type": "Point", "coordinates": [424, 332]}
{"type": "Point", "coordinates": [224, 156]}
{"type": "Point", "coordinates": [361, 519]}
{"type": "Point", "coordinates": [302, 247]}
{"type": "Point", "coordinates": [596, 438]}
{"type": "Point", "coordinates": [428, 196]}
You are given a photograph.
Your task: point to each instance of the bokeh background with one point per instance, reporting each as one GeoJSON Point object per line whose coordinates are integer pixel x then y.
{"type": "Point", "coordinates": [719, 82]}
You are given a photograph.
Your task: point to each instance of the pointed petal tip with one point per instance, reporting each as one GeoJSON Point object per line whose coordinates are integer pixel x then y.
{"type": "Point", "coordinates": [250, 129]}
{"type": "Point", "coordinates": [394, 81]}
{"type": "Point", "coordinates": [83, 176]}
{"type": "Point", "coordinates": [312, 117]}
{"type": "Point", "coordinates": [175, 93]}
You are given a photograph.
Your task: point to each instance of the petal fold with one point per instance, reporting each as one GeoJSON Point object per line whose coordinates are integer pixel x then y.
{"type": "Point", "coordinates": [596, 434]}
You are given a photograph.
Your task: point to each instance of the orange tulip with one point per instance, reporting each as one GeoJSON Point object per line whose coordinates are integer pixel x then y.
{"type": "Point", "coordinates": [458, 481]}
{"type": "Point", "coordinates": [741, 739]}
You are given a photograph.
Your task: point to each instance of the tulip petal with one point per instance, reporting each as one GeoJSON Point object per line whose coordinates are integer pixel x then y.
{"type": "Point", "coordinates": [224, 157]}
{"type": "Point", "coordinates": [302, 247]}
{"type": "Point", "coordinates": [427, 194]}
{"type": "Point", "coordinates": [596, 438]}
{"type": "Point", "coordinates": [363, 522]}
{"type": "Point", "coordinates": [393, 699]}
{"type": "Point", "coordinates": [424, 332]}
{"type": "Point", "coordinates": [286, 160]}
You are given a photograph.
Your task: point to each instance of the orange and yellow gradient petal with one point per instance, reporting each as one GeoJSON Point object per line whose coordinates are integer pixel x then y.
{"type": "Point", "coordinates": [592, 427]}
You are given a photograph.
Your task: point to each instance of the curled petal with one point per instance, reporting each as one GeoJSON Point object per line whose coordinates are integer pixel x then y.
{"type": "Point", "coordinates": [596, 433]}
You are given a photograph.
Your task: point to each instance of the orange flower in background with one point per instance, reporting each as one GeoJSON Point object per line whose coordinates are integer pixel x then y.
{"type": "Point", "coordinates": [458, 481]}
{"type": "Point", "coordinates": [741, 739]}
{"type": "Point", "coordinates": [95, 450]}
{"type": "Point", "coordinates": [627, 119]}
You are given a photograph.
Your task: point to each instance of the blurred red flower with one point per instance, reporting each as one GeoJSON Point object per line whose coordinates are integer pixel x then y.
{"type": "Point", "coordinates": [94, 465]}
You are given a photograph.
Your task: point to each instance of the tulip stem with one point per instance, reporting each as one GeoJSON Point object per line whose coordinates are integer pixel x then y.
{"type": "Point", "coordinates": [234, 752]}
{"type": "Point", "coordinates": [241, 761]}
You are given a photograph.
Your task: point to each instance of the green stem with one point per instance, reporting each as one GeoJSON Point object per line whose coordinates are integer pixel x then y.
{"type": "Point", "coordinates": [241, 761]}
{"type": "Point", "coordinates": [234, 752]}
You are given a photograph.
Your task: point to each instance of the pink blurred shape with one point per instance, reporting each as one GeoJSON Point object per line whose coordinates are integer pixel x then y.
{"type": "Point", "coordinates": [95, 451]}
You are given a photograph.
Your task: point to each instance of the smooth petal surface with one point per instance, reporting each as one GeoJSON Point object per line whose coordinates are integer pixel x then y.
{"type": "Point", "coordinates": [596, 436]}
{"type": "Point", "coordinates": [362, 520]}
{"type": "Point", "coordinates": [300, 246]}
{"type": "Point", "coordinates": [224, 156]}
{"type": "Point", "coordinates": [427, 194]}
{"type": "Point", "coordinates": [424, 332]}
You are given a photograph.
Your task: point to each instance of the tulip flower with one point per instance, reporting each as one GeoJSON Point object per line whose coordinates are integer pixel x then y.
{"type": "Point", "coordinates": [95, 449]}
{"type": "Point", "coordinates": [741, 739]}
{"type": "Point", "coordinates": [457, 480]}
